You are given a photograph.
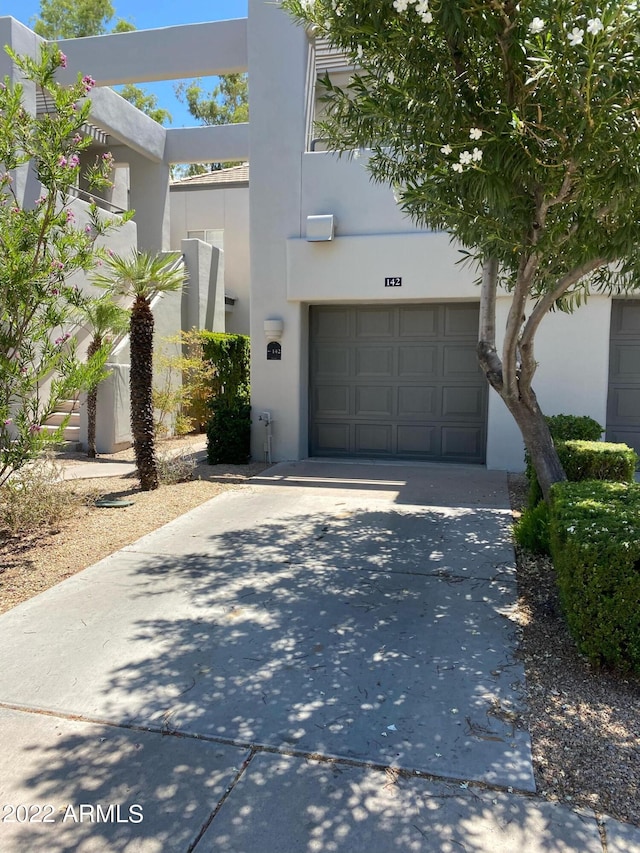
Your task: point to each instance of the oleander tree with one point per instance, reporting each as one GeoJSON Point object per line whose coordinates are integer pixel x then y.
{"type": "Point", "coordinates": [515, 127]}
{"type": "Point", "coordinates": [42, 249]}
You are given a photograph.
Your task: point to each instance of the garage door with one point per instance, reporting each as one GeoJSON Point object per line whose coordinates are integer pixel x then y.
{"type": "Point", "coordinates": [401, 382]}
{"type": "Point", "coordinates": [623, 407]}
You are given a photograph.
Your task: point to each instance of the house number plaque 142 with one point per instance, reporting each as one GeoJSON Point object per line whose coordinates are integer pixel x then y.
{"type": "Point", "coordinates": [393, 281]}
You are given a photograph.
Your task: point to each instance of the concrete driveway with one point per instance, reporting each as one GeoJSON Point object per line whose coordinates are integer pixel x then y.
{"type": "Point", "coordinates": [324, 659]}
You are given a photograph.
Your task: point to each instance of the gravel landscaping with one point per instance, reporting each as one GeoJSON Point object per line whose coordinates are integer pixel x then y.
{"type": "Point", "coordinates": [584, 723]}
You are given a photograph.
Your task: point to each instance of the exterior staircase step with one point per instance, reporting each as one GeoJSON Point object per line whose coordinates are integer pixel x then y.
{"type": "Point", "coordinates": [65, 409]}
{"type": "Point", "coordinates": [56, 418]}
{"type": "Point", "coordinates": [67, 406]}
{"type": "Point", "coordinates": [71, 433]}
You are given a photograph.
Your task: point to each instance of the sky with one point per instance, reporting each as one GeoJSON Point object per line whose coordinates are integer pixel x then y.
{"type": "Point", "coordinates": [148, 14]}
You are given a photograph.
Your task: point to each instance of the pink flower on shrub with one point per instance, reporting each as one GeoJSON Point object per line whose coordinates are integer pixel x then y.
{"type": "Point", "coordinates": [62, 59]}
{"type": "Point", "coordinates": [70, 217]}
{"type": "Point", "coordinates": [35, 428]}
{"type": "Point", "coordinates": [88, 82]}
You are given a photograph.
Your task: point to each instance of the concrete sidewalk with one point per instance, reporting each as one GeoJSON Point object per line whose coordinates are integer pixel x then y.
{"type": "Point", "coordinates": [322, 660]}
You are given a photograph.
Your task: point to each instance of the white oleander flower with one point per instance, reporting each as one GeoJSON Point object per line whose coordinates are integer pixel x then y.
{"type": "Point", "coordinates": [536, 26]}
{"type": "Point", "coordinates": [475, 133]}
{"type": "Point", "coordinates": [457, 167]}
{"type": "Point", "coordinates": [422, 10]}
{"type": "Point", "coordinates": [576, 36]}
{"type": "Point", "coordinates": [446, 149]}
{"type": "Point", "coordinates": [477, 155]}
{"type": "Point", "coordinates": [594, 26]}
{"type": "Point", "coordinates": [466, 157]}
{"type": "Point", "coordinates": [400, 5]}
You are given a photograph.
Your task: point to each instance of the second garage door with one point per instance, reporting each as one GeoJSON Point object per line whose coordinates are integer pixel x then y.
{"type": "Point", "coordinates": [399, 382]}
{"type": "Point", "coordinates": [623, 408]}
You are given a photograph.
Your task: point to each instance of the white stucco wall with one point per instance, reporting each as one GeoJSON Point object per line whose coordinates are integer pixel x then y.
{"type": "Point", "coordinates": [355, 268]}
{"type": "Point", "coordinates": [278, 53]}
{"type": "Point", "coordinates": [341, 186]}
{"type": "Point", "coordinates": [199, 208]}
{"type": "Point", "coordinates": [572, 375]}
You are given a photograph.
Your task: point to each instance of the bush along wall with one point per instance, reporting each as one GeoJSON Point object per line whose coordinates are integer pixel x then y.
{"type": "Point", "coordinates": [229, 429]}
{"type": "Point", "coordinates": [595, 544]}
{"type": "Point", "coordinates": [562, 428]}
{"type": "Point", "coordinates": [597, 460]}
{"type": "Point", "coordinates": [581, 460]}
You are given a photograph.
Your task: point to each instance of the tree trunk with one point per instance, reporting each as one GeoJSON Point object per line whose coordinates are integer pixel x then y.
{"type": "Point", "coordinates": [538, 441]}
{"type": "Point", "coordinates": [141, 388]}
{"type": "Point", "coordinates": [512, 380]}
{"type": "Point", "coordinates": [92, 403]}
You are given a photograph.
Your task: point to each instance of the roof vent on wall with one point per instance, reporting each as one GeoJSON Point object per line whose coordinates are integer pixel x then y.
{"type": "Point", "coordinates": [320, 228]}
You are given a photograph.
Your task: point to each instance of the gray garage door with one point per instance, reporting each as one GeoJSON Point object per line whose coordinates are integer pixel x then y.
{"type": "Point", "coordinates": [623, 407]}
{"type": "Point", "coordinates": [399, 382]}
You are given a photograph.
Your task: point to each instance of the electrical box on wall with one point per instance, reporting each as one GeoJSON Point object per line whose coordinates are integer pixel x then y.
{"type": "Point", "coordinates": [320, 228]}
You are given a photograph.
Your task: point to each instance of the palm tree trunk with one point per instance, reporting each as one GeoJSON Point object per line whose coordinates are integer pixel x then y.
{"type": "Point", "coordinates": [92, 402]}
{"type": "Point", "coordinates": [141, 388]}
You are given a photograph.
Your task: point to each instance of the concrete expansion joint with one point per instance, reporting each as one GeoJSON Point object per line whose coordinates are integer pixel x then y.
{"type": "Point", "coordinates": [601, 823]}
{"type": "Point", "coordinates": [392, 773]}
{"type": "Point", "coordinates": [222, 801]}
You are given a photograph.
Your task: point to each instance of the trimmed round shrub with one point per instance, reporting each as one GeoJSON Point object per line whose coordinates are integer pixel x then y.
{"type": "Point", "coordinates": [595, 544]}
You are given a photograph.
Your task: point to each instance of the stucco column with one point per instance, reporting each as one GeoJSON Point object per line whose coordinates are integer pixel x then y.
{"type": "Point", "coordinates": [278, 52]}
{"type": "Point", "coordinates": [149, 185]}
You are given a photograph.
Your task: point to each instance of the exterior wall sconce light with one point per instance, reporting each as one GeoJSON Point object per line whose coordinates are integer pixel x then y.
{"type": "Point", "coordinates": [273, 329]}
{"type": "Point", "coordinates": [320, 228]}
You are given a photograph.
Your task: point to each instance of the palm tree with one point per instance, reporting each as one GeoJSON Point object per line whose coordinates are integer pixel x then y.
{"type": "Point", "coordinates": [140, 276]}
{"type": "Point", "coordinates": [104, 319]}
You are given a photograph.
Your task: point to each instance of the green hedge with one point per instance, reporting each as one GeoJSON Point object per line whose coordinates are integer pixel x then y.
{"type": "Point", "coordinates": [229, 434]}
{"type": "Point", "coordinates": [595, 544]}
{"type": "Point", "coordinates": [229, 354]}
{"type": "Point", "coordinates": [229, 429]}
{"type": "Point", "coordinates": [570, 427]}
{"type": "Point", "coordinates": [597, 460]}
{"type": "Point", "coordinates": [581, 460]}
{"type": "Point", "coordinates": [562, 428]}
